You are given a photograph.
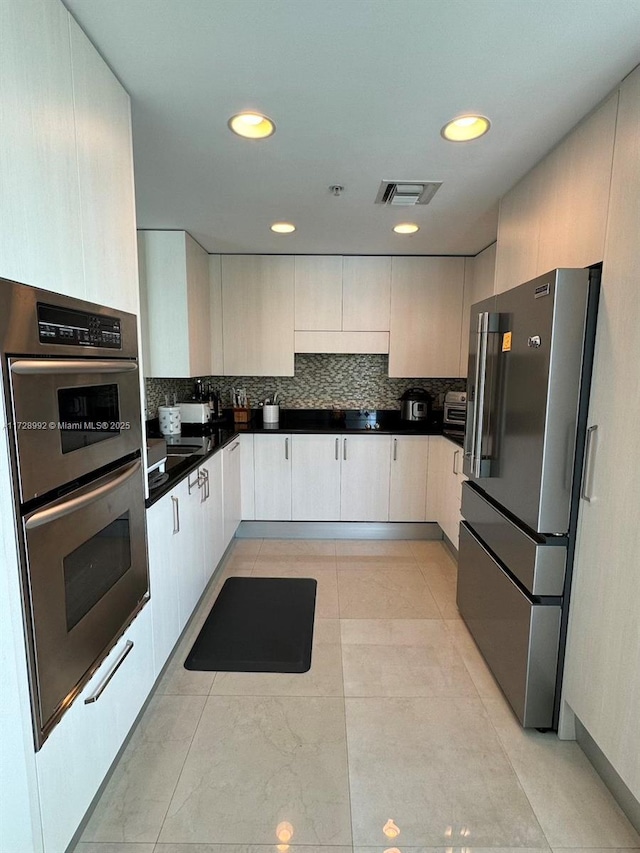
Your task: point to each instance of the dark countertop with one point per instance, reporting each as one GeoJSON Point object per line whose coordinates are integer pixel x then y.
{"type": "Point", "coordinates": [213, 437]}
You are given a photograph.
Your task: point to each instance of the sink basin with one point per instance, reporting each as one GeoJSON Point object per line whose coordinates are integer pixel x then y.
{"type": "Point", "coordinates": [183, 449]}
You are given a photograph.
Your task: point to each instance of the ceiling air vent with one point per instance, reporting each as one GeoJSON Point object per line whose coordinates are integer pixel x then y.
{"type": "Point", "coordinates": [407, 192]}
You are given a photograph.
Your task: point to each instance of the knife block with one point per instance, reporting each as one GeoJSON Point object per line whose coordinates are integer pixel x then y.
{"type": "Point", "coordinates": [241, 415]}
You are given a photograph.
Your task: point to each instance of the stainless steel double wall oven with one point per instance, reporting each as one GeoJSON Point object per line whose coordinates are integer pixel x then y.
{"type": "Point", "coordinates": [71, 385]}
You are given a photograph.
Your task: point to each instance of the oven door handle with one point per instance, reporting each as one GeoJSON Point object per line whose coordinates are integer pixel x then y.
{"type": "Point", "coordinates": [34, 366]}
{"type": "Point", "coordinates": [45, 516]}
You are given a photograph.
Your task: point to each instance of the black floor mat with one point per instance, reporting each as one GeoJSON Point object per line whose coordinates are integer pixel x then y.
{"type": "Point", "coordinates": [258, 625]}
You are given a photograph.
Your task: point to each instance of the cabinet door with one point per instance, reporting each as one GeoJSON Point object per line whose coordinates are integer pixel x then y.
{"type": "Point", "coordinates": [41, 235]}
{"type": "Point", "coordinates": [75, 759]}
{"type": "Point", "coordinates": [426, 316]}
{"type": "Point", "coordinates": [231, 490]}
{"type": "Point", "coordinates": [452, 479]}
{"type": "Point", "coordinates": [366, 294]}
{"type": "Point", "coordinates": [578, 176]}
{"type": "Point", "coordinates": [273, 477]}
{"type": "Point", "coordinates": [364, 488]}
{"type": "Point", "coordinates": [258, 315]}
{"type": "Point", "coordinates": [434, 485]}
{"type": "Point", "coordinates": [479, 283]}
{"type": "Point", "coordinates": [198, 308]}
{"type": "Point", "coordinates": [318, 292]}
{"type": "Point", "coordinates": [163, 583]}
{"type": "Point", "coordinates": [213, 519]}
{"type": "Point", "coordinates": [315, 477]}
{"type": "Point", "coordinates": [105, 171]}
{"type": "Point", "coordinates": [247, 478]}
{"type": "Point", "coordinates": [603, 652]}
{"type": "Point", "coordinates": [188, 548]}
{"type": "Point", "coordinates": [519, 230]}
{"type": "Point", "coordinates": [409, 469]}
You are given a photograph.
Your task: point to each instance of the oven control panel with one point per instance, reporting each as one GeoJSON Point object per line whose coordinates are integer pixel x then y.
{"type": "Point", "coordinates": [77, 328]}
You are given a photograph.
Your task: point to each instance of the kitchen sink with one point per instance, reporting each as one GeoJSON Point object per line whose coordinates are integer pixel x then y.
{"type": "Point", "coordinates": [183, 449]}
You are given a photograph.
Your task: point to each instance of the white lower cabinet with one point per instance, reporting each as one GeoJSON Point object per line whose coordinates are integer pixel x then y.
{"type": "Point", "coordinates": [188, 545]}
{"type": "Point", "coordinates": [163, 579]}
{"type": "Point", "coordinates": [315, 477]}
{"type": "Point", "coordinates": [408, 484]}
{"type": "Point", "coordinates": [231, 491]}
{"type": "Point", "coordinates": [213, 514]}
{"type": "Point", "coordinates": [364, 486]}
{"type": "Point", "coordinates": [77, 755]}
{"type": "Point", "coordinates": [272, 455]}
{"type": "Point", "coordinates": [445, 485]}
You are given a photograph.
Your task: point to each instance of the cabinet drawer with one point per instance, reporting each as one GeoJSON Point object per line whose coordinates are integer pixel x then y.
{"type": "Point", "coordinates": [518, 639]}
{"type": "Point", "coordinates": [538, 566]}
{"type": "Point", "coordinates": [82, 747]}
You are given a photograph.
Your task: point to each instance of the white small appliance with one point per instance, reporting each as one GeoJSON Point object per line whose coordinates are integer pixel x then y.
{"type": "Point", "coordinates": [195, 413]}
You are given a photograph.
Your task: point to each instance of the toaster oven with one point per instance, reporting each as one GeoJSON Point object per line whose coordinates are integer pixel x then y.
{"type": "Point", "coordinates": [455, 408]}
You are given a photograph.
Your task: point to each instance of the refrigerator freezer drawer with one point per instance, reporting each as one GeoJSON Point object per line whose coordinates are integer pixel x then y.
{"type": "Point", "coordinates": [539, 566]}
{"type": "Point", "coordinates": [518, 639]}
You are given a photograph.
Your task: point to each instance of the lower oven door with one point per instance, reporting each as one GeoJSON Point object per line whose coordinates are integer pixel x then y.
{"type": "Point", "coordinates": [518, 637]}
{"type": "Point", "coordinates": [87, 576]}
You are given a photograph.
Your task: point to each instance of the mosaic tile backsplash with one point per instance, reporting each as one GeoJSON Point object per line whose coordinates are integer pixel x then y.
{"type": "Point", "coordinates": [320, 382]}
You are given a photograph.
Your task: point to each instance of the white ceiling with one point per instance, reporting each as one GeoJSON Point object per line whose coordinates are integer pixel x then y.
{"type": "Point", "coordinates": [359, 90]}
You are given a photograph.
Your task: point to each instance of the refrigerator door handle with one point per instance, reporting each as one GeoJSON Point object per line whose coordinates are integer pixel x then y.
{"type": "Point", "coordinates": [470, 436]}
{"type": "Point", "coordinates": [488, 325]}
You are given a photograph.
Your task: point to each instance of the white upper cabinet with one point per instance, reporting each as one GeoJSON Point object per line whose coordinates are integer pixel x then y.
{"type": "Point", "coordinates": [426, 316]}
{"type": "Point", "coordinates": [342, 303]}
{"type": "Point", "coordinates": [366, 294]}
{"type": "Point", "coordinates": [41, 237]}
{"type": "Point", "coordinates": [318, 293]}
{"type": "Point", "coordinates": [174, 284]}
{"type": "Point", "coordinates": [105, 172]}
{"type": "Point", "coordinates": [556, 216]}
{"type": "Point", "coordinates": [257, 315]}
{"type": "Point", "coordinates": [479, 282]}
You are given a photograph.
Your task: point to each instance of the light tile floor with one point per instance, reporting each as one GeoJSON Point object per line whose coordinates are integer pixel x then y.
{"type": "Point", "coordinates": [399, 723]}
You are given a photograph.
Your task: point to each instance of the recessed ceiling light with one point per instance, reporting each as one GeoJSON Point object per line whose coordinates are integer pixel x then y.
{"type": "Point", "coordinates": [464, 128]}
{"type": "Point", "coordinates": [251, 125]}
{"type": "Point", "coordinates": [283, 227]}
{"type": "Point", "coordinates": [406, 228]}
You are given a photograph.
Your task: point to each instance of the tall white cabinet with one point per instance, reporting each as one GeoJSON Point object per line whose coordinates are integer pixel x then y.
{"type": "Point", "coordinates": [603, 653]}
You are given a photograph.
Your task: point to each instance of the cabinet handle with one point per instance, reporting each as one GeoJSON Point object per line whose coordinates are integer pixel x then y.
{"type": "Point", "coordinates": [176, 514]}
{"type": "Point", "coordinates": [233, 446]}
{"type": "Point", "coordinates": [95, 696]}
{"type": "Point", "coordinates": [286, 448]}
{"type": "Point", "coordinates": [395, 449]}
{"type": "Point", "coordinates": [344, 450]}
{"type": "Point", "coordinates": [337, 449]}
{"type": "Point", "coordinates": [191, 484]}
{"type": "Point", "coordinates": [455, 456]}
{"type": "Point", "coordinates": [205, 484]}
{"type": "Point", "coordinates": [585, 491]}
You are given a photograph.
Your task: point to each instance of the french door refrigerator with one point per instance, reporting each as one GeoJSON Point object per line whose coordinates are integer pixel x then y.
{"type": "Point", "coordinates": [530, 358]}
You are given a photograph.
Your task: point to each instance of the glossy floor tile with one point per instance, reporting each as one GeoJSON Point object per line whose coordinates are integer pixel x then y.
{"type": "Point", "coordinates": [436, 768]}
{"type": "Point", "coordinates": [397, 739]}
{"type": "Point", "coordinates": [257, 762]}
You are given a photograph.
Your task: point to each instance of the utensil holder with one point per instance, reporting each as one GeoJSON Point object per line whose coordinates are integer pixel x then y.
{"type": "Point", "coordinates": [270, 414]}
{"type": "Point", "coordinates": [241, 415]}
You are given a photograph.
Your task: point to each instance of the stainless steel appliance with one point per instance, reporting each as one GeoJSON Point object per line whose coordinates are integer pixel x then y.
{"type": "Point", "coordinates": [455, 408]}
{"type": "Point", "coordinates": [530, 358]}
{"type": "Point", "coordinates": [416, 405]}
{"type": "Point", "coordinates": [71, 384]}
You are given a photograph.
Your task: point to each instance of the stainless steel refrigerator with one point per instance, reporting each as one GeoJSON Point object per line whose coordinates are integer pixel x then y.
{"type": "Point", "coordinates": [530, 358]}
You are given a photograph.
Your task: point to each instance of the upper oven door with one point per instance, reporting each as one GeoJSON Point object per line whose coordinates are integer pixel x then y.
{"type": "Point", "coordinates": [71, 417]}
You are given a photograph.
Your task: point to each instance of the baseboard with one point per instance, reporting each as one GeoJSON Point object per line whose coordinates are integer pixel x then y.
{"type": "Point", "coordinates": [621, 793]}
{"type": "Point", "coordinates": [338, 530]}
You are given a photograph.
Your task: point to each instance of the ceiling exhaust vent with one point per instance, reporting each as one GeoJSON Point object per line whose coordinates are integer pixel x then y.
{"type": "Point", "coordinates": [407, 192]}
